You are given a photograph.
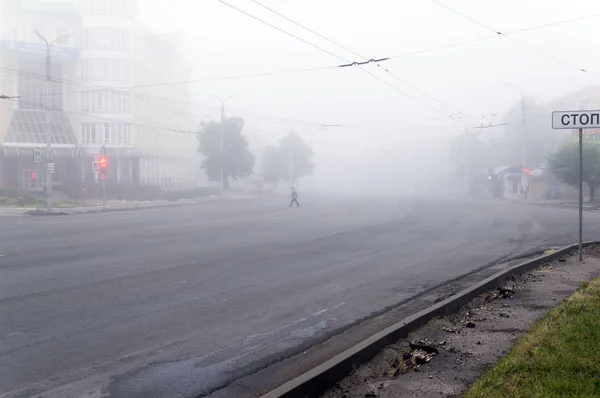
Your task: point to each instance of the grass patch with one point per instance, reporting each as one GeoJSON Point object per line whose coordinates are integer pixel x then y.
{"type": "Point", "coordinates": [559, 357]}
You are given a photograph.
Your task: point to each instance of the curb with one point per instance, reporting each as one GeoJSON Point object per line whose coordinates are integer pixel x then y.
{"type": "Point", "coordinates": [120, 209]}
{"type": "Point", "coordinates": [323, 377]}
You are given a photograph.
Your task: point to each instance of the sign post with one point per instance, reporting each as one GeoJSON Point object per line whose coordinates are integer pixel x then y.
{"type": "Point", "coordinates": [579, 120]}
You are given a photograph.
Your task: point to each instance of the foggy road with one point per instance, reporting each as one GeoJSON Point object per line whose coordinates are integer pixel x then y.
{"type": "Point", "coordinates": [177, 302]}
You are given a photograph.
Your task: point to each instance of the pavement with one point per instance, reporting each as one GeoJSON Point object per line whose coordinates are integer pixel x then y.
{"type": "Point", "coordinates": [183, 301]}
{"type": "Point", "coordinates": [92, 206]}
{"type": "Point", "coordinates": [464, 354]}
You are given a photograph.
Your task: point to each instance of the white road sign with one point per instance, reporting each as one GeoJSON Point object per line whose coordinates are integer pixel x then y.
{"type": "Point", "coordinates": [37, 156]}
{"type": "Point", "coordinates": [576, 120]}
{"type": "Point", "coordinates": [51, 168]}
{"type": "Point", "coordinates": [97, 167]}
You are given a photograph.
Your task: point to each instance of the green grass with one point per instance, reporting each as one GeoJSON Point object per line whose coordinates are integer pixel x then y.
{"type": "Point", "coordinates": [559, 357]}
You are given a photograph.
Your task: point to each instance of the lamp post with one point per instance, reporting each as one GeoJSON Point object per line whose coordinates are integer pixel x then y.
{"type": "Point", "coordinates": [523, 121]}
{"type": "Point", "coordinates": [48, 124]}
{"type": "Point", "coordinates": [223, 100]}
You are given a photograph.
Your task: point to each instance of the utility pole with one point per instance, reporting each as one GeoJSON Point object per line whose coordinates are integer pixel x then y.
{"type": "Point", "coordinates": [221, 142]}
{"type": "Point", "coordinates": [48, 124]}
{"type": "Point", "coordinates": [103, 160]}
{"type": "Point", "coordinates": [524, 136]}
{"type": "Point", "coordinates": [221, 139]}
{"type": "Point", "coordinates": [291, 162]}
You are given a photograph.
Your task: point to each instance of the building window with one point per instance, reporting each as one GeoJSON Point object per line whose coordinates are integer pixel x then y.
{"type": "Point", "coordinates": [89, 133]}
{"type": "Point", "coordinates": [32, 90]}
{"type": "Point", "coordinates": [106, 133]}
{"type": "Point", "coordinates": [105, 101]}
{"type": "Point", "coordinates": [106, 39]}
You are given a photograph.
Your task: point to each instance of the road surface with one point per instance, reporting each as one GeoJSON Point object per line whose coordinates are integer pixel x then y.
{"type": "Point", "coordinates": [179, 302]}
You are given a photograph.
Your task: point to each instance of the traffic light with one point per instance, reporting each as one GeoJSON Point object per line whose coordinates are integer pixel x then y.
{"type": "Point", "coordinates": [103, 163]}
{"type": "Point", "coordinates": [33, 176]}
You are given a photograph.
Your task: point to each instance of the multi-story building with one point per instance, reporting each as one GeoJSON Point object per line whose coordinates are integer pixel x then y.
{"type": "Point", "coordinates": [110, 93]}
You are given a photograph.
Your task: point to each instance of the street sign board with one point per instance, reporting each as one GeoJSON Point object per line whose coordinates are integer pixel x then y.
{"type": "Point", "coordinates": [37, 156]}
{"type": "Point", "coordinates": [576, 120]}
{"type": "Point", "coordinates": [51, 168]}
{"type": "Point", "coordinates": [97, 168]}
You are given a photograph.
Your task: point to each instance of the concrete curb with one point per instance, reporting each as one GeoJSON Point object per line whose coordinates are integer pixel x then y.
{"type": "Point", "coordinates": [320, 379]}
{"type": "Point", "coordinates": [98, 209]}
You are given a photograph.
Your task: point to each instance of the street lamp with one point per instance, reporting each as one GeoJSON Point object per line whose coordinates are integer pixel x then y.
{"type": "Point", "coordinates": [523, 121]}
{"type": "Point", "coordinates": [223, 100]}
{"type": "Point", "coordinates": [48, 134]}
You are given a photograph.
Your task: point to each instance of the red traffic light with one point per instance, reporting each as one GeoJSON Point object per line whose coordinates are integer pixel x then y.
{"type": "Point", "coordinates": [33, 176]}
{"type": "Point", "coordinates": [103, 163]}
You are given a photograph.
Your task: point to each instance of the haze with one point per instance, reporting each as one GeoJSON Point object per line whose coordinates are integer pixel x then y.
{"type": "Point", "coordinates": [231, 207]}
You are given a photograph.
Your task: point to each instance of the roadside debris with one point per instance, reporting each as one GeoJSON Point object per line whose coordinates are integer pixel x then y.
{"type": "Point", "coordinates": [422, 351]}
{"type": "Point", "coordinates": [500, 293]}
{"type": "Point", "coordinates": [450, 330]}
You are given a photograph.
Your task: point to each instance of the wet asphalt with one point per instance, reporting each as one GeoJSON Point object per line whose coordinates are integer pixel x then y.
{"type": "Point", "coordinates": [179, 302]}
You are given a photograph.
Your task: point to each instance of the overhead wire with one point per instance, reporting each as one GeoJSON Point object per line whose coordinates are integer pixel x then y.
{"type": "Point", "coordinates": [499, 33]}
{"type": "Point", "coordinates": [166, 100]}
{"type": "Point", "coordinates": [338, 57]}
{"type": "Point", "coordinates": [376, 62]}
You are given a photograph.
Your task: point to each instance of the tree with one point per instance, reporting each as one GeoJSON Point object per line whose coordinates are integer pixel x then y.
{"type": "Point", "coordinates": [273, 164]}
{"type": "Point", "coordinates": [297, 157]}
{"type": "Point", "coordinates": [291, 160]}
{"type": "Point", "coordinates": [564, 164]}
{"type": "Point", "coordinates": [235, 158]}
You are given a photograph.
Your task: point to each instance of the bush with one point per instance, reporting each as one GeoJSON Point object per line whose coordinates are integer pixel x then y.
{"type": "Point", "coordinates": [191, 193]}
{"type": "Point", "coordinates": [12, 193]}
{"type": "Point", "coordinates": [11, 202]}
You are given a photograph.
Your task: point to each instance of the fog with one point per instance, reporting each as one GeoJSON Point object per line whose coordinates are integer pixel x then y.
{"type": "Point", "coordinates": [250, 187]}
{"type": "Point", "coordinates": [386, 138]}
{"type": "Point", "coordinates": [445, 73]}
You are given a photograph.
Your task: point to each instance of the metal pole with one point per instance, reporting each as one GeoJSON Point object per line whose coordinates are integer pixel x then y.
{"type": "Point", "coordinates": [580, 194]}
{"type": "Point", "coordinates": [524, 150]}
{"type": "Point", "coordinates": [221, 127]}
{"type": "Point", "coordinates": [103, 181]}
{"type": "Point", "coordinates": [37, 188]}
{"type": "Point", "coordinates": [48, 131]}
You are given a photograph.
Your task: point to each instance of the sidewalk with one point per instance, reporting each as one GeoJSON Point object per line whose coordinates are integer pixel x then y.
{"type": "Point", "coordinates": [447, 355]}
{"type": "Point", "coordinates": [95, 206]}
{"type": "Point", "coordinates": [557, 358]}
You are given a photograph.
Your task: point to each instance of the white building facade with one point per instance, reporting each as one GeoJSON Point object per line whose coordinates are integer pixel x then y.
{"type": "Point", "coordinates": [110, 95]}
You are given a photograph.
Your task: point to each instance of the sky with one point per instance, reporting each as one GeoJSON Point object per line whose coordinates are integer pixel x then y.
{"type": "Point", "coordinates": [380, 110]}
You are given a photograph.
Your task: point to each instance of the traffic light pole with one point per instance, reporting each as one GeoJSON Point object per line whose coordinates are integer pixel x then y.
{"type": "Point", "coordinates": [103, 181]}
{"type": "Point", "coordinates": [48, 132]}
{"type": "Point", "coordinates": [37, 189]}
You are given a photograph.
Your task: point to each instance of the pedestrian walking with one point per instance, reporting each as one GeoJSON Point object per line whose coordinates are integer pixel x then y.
{"type": "Point", "coordinates": [294, 197]}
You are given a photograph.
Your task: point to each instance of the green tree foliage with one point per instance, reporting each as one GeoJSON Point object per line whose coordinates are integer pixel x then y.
{"type": "Point", "coordinates": [291, 159]}
{"type": "Point", "coordinates": [237, 160]}
{"type": "Point", "coordinates": [564, 164]}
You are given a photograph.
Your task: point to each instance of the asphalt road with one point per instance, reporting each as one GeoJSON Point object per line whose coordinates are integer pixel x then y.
{"type": "Point", "coordinates": [179, 302]}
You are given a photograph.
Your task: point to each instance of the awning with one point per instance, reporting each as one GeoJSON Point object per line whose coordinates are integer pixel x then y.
{"type": "Point", "coordinates": [111, 152]}
{"type": "Point", "coordinates": [15, 152]}
{"type": "Point", "coordinates": [29, 127]}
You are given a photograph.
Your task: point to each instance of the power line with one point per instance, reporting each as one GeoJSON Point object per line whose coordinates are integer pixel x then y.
{"type": "Point", "coordinates": [356, 54]}
{"type": "Point", "coordinates": [512, 32]}
{"type": "Point", "coordinates": [330, 53]}
{"type": "Point", "coordinates": [100, 118]}
{"type": "Point", "coordinates": [308, 29]}
{"type": "Point", "coordinates": [176, 102]}
{"type": "Point", "coordinates": [282, 31]}
{"type": "Point", "coordinates": [511, 38]}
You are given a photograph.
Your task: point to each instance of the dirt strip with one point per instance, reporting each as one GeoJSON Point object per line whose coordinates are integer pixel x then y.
{"type": "Point", "coordinates": [443, 358]}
